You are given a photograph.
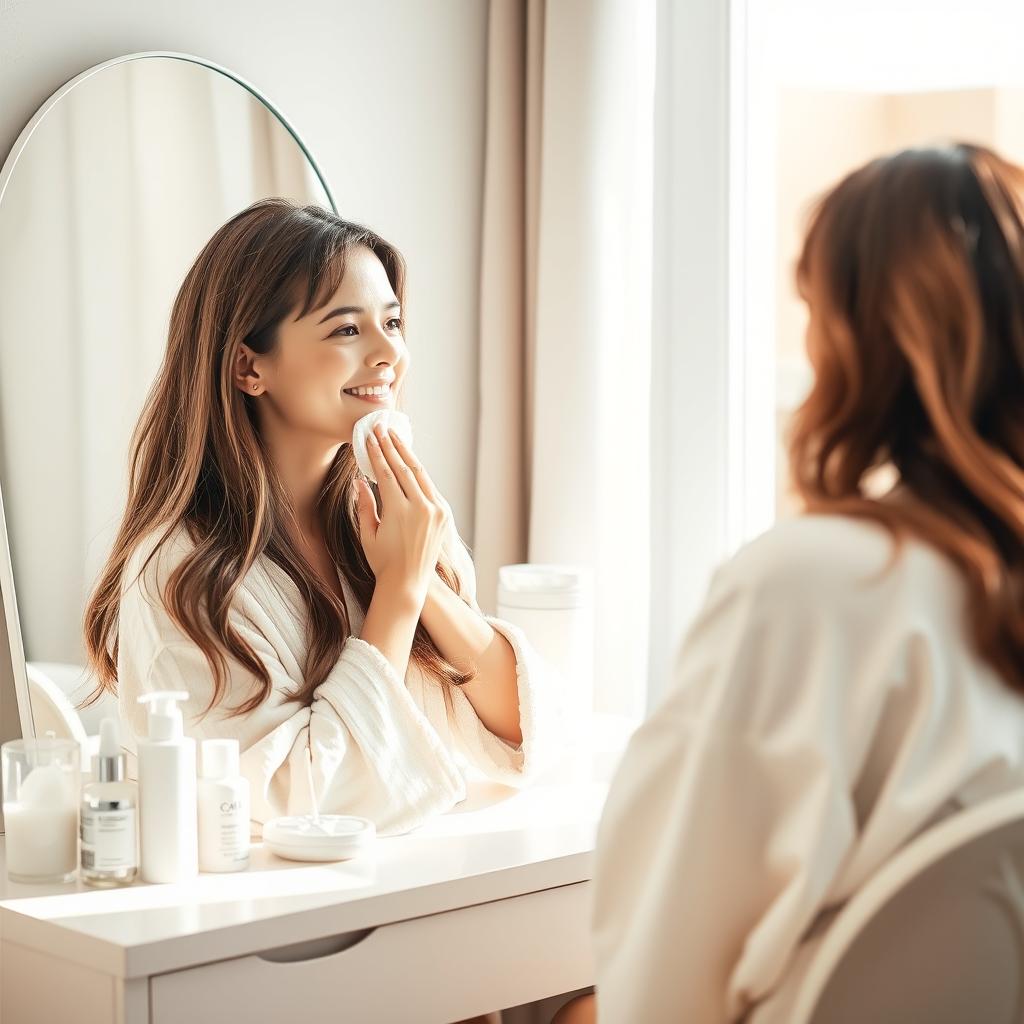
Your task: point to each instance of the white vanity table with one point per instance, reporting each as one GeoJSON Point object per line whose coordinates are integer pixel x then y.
{"type": "Point", "coordinates": [483, 908]}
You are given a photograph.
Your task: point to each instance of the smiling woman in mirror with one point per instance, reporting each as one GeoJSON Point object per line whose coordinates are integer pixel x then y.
{"type": "Point", "coordinates": [301, 606]}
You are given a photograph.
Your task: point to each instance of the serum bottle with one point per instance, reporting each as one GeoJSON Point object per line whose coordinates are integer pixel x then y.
{"type": "Point", "coordinates": [109, 817]}
{"type": "Point", "coordinates": [223, 809]}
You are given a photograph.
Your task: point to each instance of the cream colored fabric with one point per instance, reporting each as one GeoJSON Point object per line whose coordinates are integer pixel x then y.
{"type": "Point", "coordinates": [396, 751]}
{"type": "Point", "coordinates": [823, 711]}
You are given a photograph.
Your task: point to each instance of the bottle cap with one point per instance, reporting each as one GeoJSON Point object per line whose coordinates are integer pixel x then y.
{"type": "Point", "coordinates": [165, 721]}
{"type": "Point", "coordinates": [539, 585]}
{"type": "Point", "coordinates": [110, 761]}
{"type": "Point", "coordinates": [220, 759]}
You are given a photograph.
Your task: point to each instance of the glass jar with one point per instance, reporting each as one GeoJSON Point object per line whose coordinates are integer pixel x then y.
{"type": "Point", "coordinates": [41, 789]}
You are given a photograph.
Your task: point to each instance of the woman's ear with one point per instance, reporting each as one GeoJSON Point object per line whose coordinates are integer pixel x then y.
{"type": "Point", "coordinates": [246, 377]}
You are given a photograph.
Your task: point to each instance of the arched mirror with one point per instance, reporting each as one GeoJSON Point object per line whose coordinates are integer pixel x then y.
{"type": "Point", "coordinates": [105, 200]}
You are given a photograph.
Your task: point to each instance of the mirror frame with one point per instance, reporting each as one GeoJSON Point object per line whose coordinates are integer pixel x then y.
{"type": "Point", "coordinates": [8, 596]}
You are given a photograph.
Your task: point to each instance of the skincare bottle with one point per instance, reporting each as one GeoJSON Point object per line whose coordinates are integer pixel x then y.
{"type": "Point", "coordinates": [167, 792]}
{"type": "Point", "coordinates": [223, 809]}
{"type": "Point", "coordinates": [109, 817]}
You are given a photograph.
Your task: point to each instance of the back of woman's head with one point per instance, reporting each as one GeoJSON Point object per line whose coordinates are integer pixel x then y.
{"type": "Point", "coordinates": [913, 272]}
{"type": "Point", "coordinates": [198, 462]}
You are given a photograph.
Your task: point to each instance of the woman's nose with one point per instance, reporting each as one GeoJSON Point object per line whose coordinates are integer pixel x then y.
{"type": "Point", "coordinates": [385, 349]}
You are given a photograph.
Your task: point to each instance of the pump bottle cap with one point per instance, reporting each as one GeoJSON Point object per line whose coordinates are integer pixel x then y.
{"type": "Point", "coordinates": [165, 720]}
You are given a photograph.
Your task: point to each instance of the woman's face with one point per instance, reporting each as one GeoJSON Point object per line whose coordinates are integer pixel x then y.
{"type": "Point", "coordinates": [337, 363]}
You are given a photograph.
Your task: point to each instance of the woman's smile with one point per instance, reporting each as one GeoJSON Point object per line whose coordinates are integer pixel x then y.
{"type": "Point", "coordinates": [376, 394]}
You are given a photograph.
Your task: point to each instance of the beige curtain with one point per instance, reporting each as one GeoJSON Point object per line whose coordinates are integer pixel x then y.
{"type": "Point", "coordinates": [563, 443]}
{"type": "Point", "coordinates": [501, 499]}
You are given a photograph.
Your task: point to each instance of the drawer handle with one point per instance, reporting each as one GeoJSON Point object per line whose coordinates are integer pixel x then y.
{"type": "Point", "coordinates": [314, 949]}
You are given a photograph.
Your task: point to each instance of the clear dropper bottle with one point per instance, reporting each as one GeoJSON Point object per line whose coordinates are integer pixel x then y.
{"type": "Point", "coordinates": [109, 817]}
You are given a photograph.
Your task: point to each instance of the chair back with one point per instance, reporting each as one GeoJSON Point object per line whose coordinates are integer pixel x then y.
{"type": "Point", "coordinates": [936, 936]}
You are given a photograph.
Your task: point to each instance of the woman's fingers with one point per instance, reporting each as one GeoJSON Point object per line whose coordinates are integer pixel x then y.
{"type": "Point", "coordinates": [366, 510]}
{"type": "Point", "coordinates": [390, 489]}
{"type": "Point", "coordinates": [401, 470]}
{"type": "Point", "coordinates": [418, 470]}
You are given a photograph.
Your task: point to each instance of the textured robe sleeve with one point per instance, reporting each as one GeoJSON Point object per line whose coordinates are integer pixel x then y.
{"type": "Point", "coordinates": [373, 751]}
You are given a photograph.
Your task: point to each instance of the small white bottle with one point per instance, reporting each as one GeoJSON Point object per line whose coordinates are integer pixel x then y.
{"type": "Point", "coordinates": [167, 792]}
{"type": "Point", "coordinates": [109, 817]}
{"type": "Point", "coordinates": [223, 809]}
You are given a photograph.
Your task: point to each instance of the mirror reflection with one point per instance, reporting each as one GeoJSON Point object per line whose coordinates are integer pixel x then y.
{"type": "Point", "coordinates": [116, 190]}
{"type": "Point", "coordinates": [241, 555]}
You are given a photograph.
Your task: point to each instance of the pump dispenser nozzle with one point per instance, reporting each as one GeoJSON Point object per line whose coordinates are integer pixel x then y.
{"type": "Point", "coordinates": [165, 720]}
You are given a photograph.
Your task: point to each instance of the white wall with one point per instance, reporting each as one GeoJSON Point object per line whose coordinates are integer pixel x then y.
{"type": "Point", "coordinates": [389, 97]}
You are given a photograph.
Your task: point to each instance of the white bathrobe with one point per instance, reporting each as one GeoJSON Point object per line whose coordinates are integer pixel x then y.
{"type": "Point", "coordinates": [823, 712]}
{"type": "Point", "coordinates": [392, 750]}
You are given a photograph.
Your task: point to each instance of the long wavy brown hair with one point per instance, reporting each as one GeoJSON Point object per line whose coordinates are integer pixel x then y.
{"type": "Point", "coordinates": [197, 459]}
{"type": "Point", "coordinates": [913, 272]}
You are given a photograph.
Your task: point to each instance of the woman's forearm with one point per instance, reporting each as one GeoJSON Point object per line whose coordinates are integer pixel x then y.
{"type": "Point", "coordinates": [390, 623]}
{"type": "Point", "coordinates": [471, 644]}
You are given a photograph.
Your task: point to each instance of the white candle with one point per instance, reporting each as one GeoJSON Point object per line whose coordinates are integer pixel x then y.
{"type": "Point", "coordinates": [42, 826]}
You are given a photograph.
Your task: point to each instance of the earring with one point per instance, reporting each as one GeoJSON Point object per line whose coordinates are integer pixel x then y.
{"type": "Point", "coordinates": [255, 387]}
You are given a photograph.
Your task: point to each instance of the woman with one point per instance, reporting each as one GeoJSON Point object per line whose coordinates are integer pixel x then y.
{"type": "Point", "coordinates": [302, 609]}
{"type": "Point", "coordinates": [856, 673]}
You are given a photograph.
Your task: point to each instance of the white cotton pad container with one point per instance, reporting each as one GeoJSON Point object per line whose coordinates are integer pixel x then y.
{"type": "Point", "coordinates": [325, 837]}
{"type": "Point", "coordinates": [392, 420]}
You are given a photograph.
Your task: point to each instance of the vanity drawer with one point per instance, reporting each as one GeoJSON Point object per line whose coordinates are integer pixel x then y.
{"type": "Point", "coordinates": [438, 968]}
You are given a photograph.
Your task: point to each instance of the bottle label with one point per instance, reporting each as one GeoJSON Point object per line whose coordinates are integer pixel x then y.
{"type": "Point", "coordinates": [108, 839]}
{"type": "Point", "coordinates": [234, 838]}
{"type": "Point", "coordinates": [224, 827]}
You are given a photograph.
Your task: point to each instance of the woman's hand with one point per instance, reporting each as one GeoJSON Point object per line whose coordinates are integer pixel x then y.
{"type": "Point", "coordinates": [403, 541]}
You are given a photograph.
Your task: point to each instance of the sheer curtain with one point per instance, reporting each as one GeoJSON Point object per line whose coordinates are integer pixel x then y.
{"type": "Point", "coordinates": [565, 340]}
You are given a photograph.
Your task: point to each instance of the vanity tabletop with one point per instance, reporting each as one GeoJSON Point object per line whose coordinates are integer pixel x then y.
{"type": "Point", "coordinates": [500, 842]}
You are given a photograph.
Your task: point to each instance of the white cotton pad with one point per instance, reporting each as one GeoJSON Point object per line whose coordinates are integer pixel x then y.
{"type": "Point", "coordinates": [392, 420]}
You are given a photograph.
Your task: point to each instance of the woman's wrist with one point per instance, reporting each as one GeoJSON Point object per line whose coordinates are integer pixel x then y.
{"type": "Point", "coordinates": [390, 622]}
{"type": "Point", "coordinates": [400, 594]}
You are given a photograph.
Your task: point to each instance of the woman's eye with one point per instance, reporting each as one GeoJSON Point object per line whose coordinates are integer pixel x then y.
{"type": "Point", "coordinates": [350, 330]}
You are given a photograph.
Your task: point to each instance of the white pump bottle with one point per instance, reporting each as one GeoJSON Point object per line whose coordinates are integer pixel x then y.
{"type": "Point", "coordinates": [167, 792]}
